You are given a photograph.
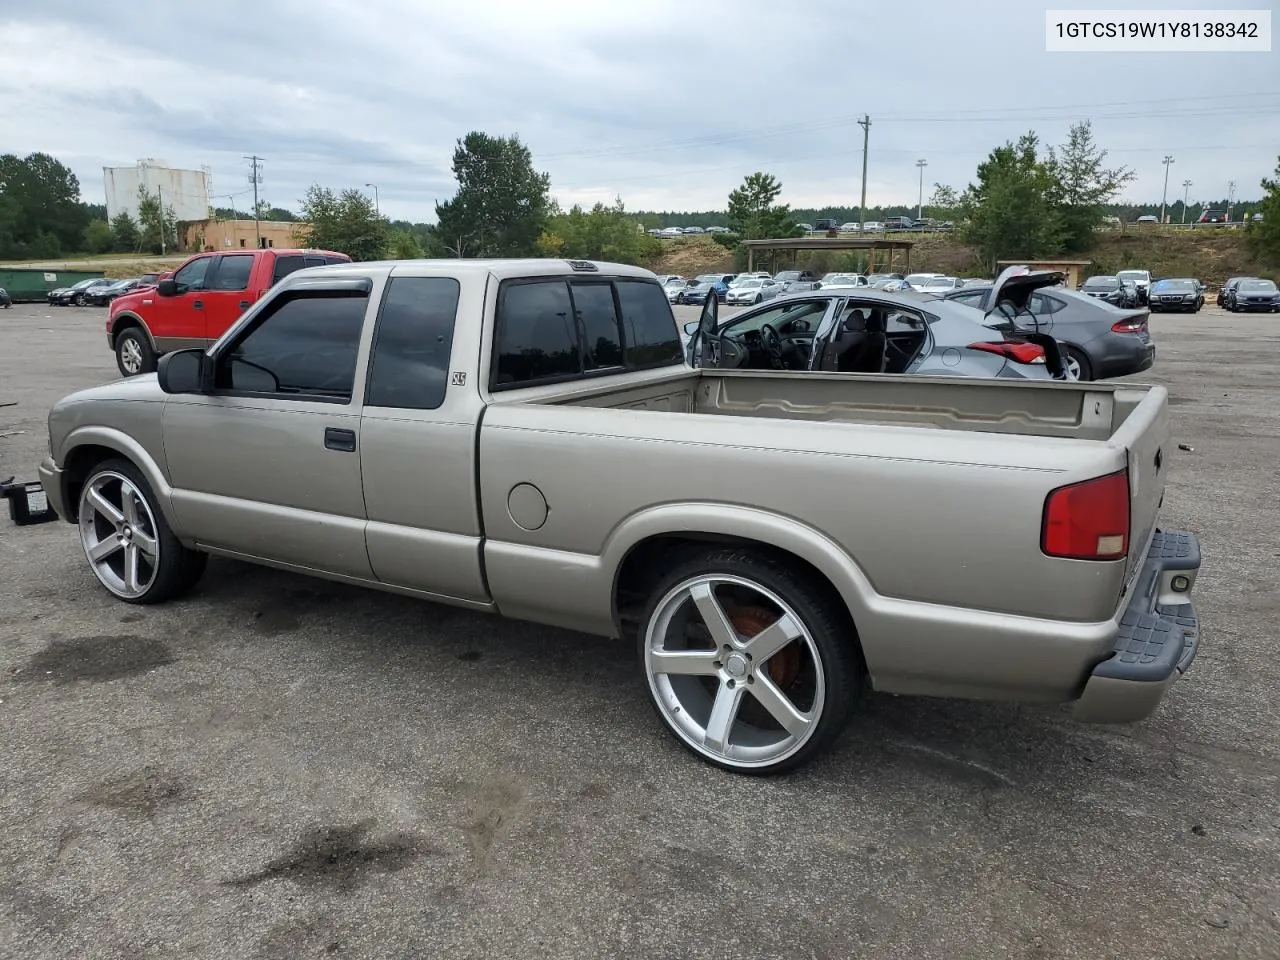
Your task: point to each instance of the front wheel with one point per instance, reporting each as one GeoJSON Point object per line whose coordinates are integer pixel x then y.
{"type": "Point", "coordinates": [79, 300]}
{"type": "Point", "coordinates": [127, 540]}
{"type": "Point", "coordinates": [133, 353]}
{"type": "Point", "coordinates": [751, 666]}
{"type": "Point", "coordinates": [758, 299]}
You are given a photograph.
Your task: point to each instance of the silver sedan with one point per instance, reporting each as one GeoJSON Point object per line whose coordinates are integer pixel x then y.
{"type": "Point", "coordinates": [752, 290]}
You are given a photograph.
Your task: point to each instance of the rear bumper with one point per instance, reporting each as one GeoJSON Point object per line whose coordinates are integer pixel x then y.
{"type": "Point", "coordinates": [1158, 637]}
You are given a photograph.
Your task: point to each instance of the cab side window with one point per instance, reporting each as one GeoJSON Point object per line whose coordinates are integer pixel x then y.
{"type": "Point", "coordinates": [233, 272]}
{"type": "Point", "coordinates": [303, 348]}
{"type": "Point", "coordinates": [412, 343]}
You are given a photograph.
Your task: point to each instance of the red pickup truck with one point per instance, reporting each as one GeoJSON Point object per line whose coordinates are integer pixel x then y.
{"type": "Point", "coordinates": [195, 304]}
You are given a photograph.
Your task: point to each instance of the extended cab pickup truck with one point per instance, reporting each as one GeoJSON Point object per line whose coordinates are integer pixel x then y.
{"type": "Point", "coordinates": [525, 438]}
{"type": "Point", "coordinates": [195, 305]}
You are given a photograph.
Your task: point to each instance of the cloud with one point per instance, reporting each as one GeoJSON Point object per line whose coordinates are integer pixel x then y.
{"type": "Point", "coordinates": [667, 104]}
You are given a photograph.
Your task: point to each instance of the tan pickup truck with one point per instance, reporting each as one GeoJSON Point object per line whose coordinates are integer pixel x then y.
{"type": "Point", "coordinates": [525, 438]}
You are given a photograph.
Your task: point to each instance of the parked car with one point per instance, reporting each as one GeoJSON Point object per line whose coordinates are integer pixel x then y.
{"type": "Point", "coordinates": [826, 224]}
{"type": "Point", "coordinates": [873, 226]}
{"type": "Point", "coordinates": [1212, 216]}
{"type": "Point", "coordinates": [1230, 285]}
{"type": "Point", "coordinates": [5, 300]}
{"type": "Point", "coordinates": [875, 333]}
{"type": "Point", "coordinates": [849, 227]}
{"type": "Point", "coordinates": [1147, 218]}
{"type": "Point", "coordinates": [698, 289]}
{"type": "Point", "coordinates": [672, 288]}
{"type": "Point", "coordinates": [76, 293]}
{"type": "Point", "coordinates": [806, 227]}
{"type": "Point", "coordinates": [1101, 340]}
{"type": "Point", "coordinates": [198, 302]}
{"type": "Point", "coordinates": [713, 529]}
{"type": "Point", "coordinates": [877, 280]}
{"type": "Point", "coordinates": [932, 283]}
{"type": "Point", "coordinates": [753, 290]}
{"type": "Point", "coordinates": [832, 281]}
{"type": "Point", "coordinates": [102, 296]}
{"type": "Point", "coordinates": [1253, 294]}
{"type": "Point", "coordinates": [1176, 294]}
{"type": "Point", "coordinates": [1112, 290]}
{"type": "Point", "coordinates": [1139, 278]}
{"type": "Point", "coordinates": [898, 223]}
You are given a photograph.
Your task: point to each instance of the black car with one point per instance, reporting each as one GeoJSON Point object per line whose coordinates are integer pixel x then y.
{"type": "Point", "coordinates": [1230, 285]}
{"type": "Point", "coordinates": [1117, 292]}
{"type": "Point", "coordinates": [1180, 293]}
{"type": "Point", "coordinates": [825, 225]}
{"type": "Point", "coordinates": [76, 293]}
{"type": "Point", "coordinates": [898, 223]}
{"type": "Point", "coordinates": [1253, 294]}
{"type": "Point", "coordinates": [5, 300]}
{"type": "Point", "coordinates": [102, 296]}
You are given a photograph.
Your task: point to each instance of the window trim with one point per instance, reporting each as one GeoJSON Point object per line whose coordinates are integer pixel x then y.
{"type": "Point", "coordinates": [347, 291]}
{"type": "Point", "coordinates": [582, 374]}
{"type": "Point", "coordinates": [370, 365]}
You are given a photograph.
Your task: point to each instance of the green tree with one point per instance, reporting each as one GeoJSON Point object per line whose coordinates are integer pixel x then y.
{"type": "Point", "coordinates": [98, 237]}
{"type": "Point", "coordinates": [125, 236]}
{"type": "Point", "coordinates": [1264, 235]}
{"type": "Point", "coordinates": [405, 246]}
{"type": "Point", "coordinates": [1082, 186]}
{"type": "Point", "coordinates": [502, 202]}
{"type": "Point", "coordinates": [157, 227]}
{"type": "Point", "coordinates": [40, 208]}
{"type": "Point", "coordinates": [1010, 209]}
{"type": "Point", "coordinates": [755, 214]}
{"type": "Point", "coordinates": [601, 233]}
{"type": "Point", "coordinates": [944, 202]}
{"type": "Point", "coordinates": [345, 222]}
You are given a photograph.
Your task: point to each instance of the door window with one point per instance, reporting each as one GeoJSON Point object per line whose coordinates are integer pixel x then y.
{"type": "Point", "coordinates": [536, 339]}
{"type": "Point", "coordinates": [192, 276]}
{"type": "Point", "coordinates": [304, 347]}
{"type": "Point", "coordinates": [648, 325]}
{"type": "Point", "coordinates": [593, 303]}
{"type": "Point", "coordinates": [233, 272]}
{"type": "Point", "coordinates": [412, 343]}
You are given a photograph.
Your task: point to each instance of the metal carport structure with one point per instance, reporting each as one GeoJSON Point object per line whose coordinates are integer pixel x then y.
{"type": "Point", "coordinates": [796, 244]}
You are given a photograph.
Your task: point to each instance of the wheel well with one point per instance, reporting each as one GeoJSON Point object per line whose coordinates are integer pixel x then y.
{"type": "Point", "coordinates": [80, 462]}
{"type": "Point", "coordinates": [127, 321]}
{"type": "Point", "coordinates": [646, 563]}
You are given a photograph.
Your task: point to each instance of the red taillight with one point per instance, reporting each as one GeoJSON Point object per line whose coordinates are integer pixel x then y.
{"type": "Point", "coordinates": [1138, 325]}
{"type": "Point", "coordinates": [1012, 350]}
{"type": "Point", "coordinates": [1089, 520]}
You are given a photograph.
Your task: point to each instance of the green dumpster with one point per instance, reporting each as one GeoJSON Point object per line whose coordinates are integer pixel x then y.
{"type": "Point", "coordinates": [33, 283]}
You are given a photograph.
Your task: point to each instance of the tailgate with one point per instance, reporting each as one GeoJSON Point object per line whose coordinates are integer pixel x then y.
{"type": "Point", "coordinates": [1145, 436]}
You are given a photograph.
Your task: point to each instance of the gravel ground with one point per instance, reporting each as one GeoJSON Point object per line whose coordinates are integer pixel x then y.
{"type": "Point", "coordinates": [285, 768]}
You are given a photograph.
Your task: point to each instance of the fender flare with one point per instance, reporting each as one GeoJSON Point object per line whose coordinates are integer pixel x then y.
{"type": "Point", "coordinates": [131, 450]}
{"type": "Point", "coordinates": [731, 520]}
{"type": "Point", "coordinates": [135, 320]}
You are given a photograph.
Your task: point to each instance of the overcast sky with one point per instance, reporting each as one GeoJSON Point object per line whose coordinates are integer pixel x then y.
{"type": "Point", "coordinates": [667, 103]}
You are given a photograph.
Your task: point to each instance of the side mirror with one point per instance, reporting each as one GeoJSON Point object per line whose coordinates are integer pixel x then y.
{"type": "Point", "coordinates": [167, 288]}
{"type": "Point", "coordinates": [691, 327]}
{"type": "Point", "coordinates": [185, 371]}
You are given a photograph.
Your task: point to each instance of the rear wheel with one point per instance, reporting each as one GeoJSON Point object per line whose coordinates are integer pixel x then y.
{"type": "Point", "coordinates": [1078, 366]}
{"type": "Point", "coordinates": [79, 300]}
{"type": "Point", "coordinates": [133, 353]}
{"type": "Point", "coordinates": [750, 666]}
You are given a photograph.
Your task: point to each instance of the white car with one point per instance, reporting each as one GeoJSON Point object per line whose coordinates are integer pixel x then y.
{"type": "Point", "coordinates": [672, 286]}
{"type": "Point", "coordinates": [848, 228]}
{"type": "Point", "coordinates": [933, 283]}
{"type": "Point", "coordinates": [873, 226]}
{"type": "Point", "coordinates": [841, 281]}
{"type": "Point", "coordinates": [752, 290]}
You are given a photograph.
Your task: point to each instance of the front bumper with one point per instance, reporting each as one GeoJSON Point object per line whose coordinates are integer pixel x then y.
{"type": "Point", "coordinates": [1157, 640]}
{"type": "Point", "coordinates": [51, 479]}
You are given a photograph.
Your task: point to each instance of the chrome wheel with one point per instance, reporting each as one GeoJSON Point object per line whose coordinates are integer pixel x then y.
{"type": "Point", "coordinates": [119, 535]}
{"type": "Point", "coordinates": [130, 355]}
{"type": "Point", "coordinates": [1073, 368]}
{"type": "Point", "coordinates": [734, 670]}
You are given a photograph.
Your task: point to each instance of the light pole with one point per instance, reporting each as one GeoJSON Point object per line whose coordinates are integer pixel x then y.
{"type": "Point", "coordinates": [1186, 185]}
{"type": "Point", "coordinates": [921, 164]}
{"type": "Point", "coordinates": [1164, 196]}
{"type": "Point", "coordinates": [374, 187]}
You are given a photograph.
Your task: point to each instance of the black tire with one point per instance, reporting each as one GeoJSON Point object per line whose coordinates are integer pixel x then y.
{"type": "Point", "coordinates": [177, 568]}
{"type": "Point", "coordinates": [1086, 368]}
{"type": "Point", "coordinates": [133, 337]}
{"type": "Point", "coordinates": [821, 613]}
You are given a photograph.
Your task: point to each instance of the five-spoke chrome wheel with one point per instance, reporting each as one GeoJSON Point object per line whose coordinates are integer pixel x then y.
{"type": "Point", "coordinates": [130, 356]}
{"type": "Point", "coordinates": [734, 670]}
{"type": "Point", "coordinates": [119, 534]}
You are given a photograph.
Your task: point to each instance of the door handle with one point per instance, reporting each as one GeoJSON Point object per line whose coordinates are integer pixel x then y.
{"type": "Point", "coordinates": [337, 438]}
{"type": "Point", "coordinates": [244, 304]}
{"type": "Point", "coordinates": [198, 305]}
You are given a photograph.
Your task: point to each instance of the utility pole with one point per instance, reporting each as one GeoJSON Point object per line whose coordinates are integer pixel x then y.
{"type": "Point", "coordinates": [1231, 198]}
{"type": "Point", "coordinates": [865, 124]}
{"type": "Point", "coordinates": [232, 199]}
{"type": "Point", "coordinates": [920, 200]}
{"type": "Point", "coordinates": [256, 178]}
{"type": "Point", "coordinates": [1186, 185]}
{"type": "Point", "coordinates": [163, 224]}
{"type": "Point", "coordinates": [376, 208]}
{"type": "Point", "coordinates": [1164, 196]}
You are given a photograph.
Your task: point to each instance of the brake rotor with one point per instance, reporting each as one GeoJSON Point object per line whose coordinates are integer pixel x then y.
{"type": "Point", "coordinates": [784, 666]}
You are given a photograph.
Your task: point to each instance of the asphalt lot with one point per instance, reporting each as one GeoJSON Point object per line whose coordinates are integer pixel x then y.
{"type": "Point", "coordinates": [283, 768]}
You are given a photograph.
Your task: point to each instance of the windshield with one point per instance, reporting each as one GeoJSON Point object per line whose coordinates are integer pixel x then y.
{"type": "Point", "coordinates": [788, 275]}
{"type": "Point", "coordinates": [840, 279]}
{"type": "Point", "coordinates": [1174, 286]}
{"type": "Point", "coordinates": [1101, 283]}
{"type": "Point", "coordinates": [1132, 275]}
{"type": "Point", "coordinates": [82, 284]}
{"type": "Point", "coordinates": [709, 278]}
{"type": "Point", "coordinates": [752, 282]}
{"type": "Point", "coordinates": [923, 278]}
{"type": "Point", "coordinates": [1258, 286]}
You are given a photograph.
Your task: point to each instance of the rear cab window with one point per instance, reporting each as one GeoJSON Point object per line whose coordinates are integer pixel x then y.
{"type": "Point", "coordinates": [558, 329]}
